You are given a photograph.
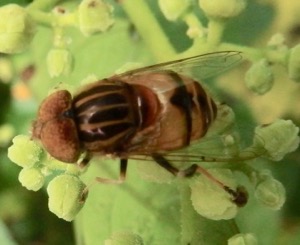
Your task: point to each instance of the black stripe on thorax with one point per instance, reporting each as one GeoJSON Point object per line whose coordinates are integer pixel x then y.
{"type": "Point", "coordinates": [100, 101]}
{"type": "Point", "coordinates": [105, 115]}
{"type": "Point", "coordinates": [104, 133]}
{"type": "Point", "coordinates": [97, 115]}
{"type": "Point", "coordinates": [102, 87]}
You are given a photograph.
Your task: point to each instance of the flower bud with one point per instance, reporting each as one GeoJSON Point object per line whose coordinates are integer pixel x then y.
{"type": "Point", "coordinates": [221, 9]}
{"type": "Point", "coordinates": [195, 32]}
{"type": "Point", "coordinates": [294, 63]}
{"type": "Point", "coordinates": [31, 178]}
{"type": "Point", "coordinates": [225, 120]}
{"type": "Point", "coordinates": [94, 16]}
{"type": "Point", "coordinates": [7, 132]}
{"type": "Point", "coordinates": [124, 238]}
{"type": "Point", "coordinates": [24, 151]}
{"type": "Point", "coordinates": [16, 29]}
{"type": "Point", "coordinates": [277, 40]}
{"type": "Point", "coordinates": [212, 201]}
{"type": "Point", "coordinates": [65, 196]}
{"type": "Point", "coordinates": [243, 239]}
{"type": "Point", "coordinates": [270, 192]}
{"type": "Point", "coordinates": [277, 139]}
{"type": "Point", "coordinates": [172, 9]}
{"type": "Point", "coordinates": [6, 70]}
{"type": "Point", "coordinates": [259, 78]}
{"type": "Point", "coordinates": [59, 62]}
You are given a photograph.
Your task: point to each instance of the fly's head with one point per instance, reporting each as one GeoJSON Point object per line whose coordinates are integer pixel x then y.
{"type": "Point", "coordinates": [56, 129]}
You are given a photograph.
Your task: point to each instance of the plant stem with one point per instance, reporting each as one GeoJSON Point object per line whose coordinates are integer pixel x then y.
{"type": "Point", "coordinates": [149, 28]}
{"type": "Point", "coordinates": [41, 17]}
{"type": "Point", "coordinates": [42, 4]}
{"type": "Point", "coordinates": [49, 19]}
{"type": "Point", "coordinates": [215, 32]}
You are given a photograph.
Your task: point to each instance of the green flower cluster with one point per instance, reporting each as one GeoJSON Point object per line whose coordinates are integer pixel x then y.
{"type": "Point", "coordinates": [18, 29]}
{"type": "Point", "coordinates": [64, 191]}
{"type": "Point", "coordinates": [272, 141]}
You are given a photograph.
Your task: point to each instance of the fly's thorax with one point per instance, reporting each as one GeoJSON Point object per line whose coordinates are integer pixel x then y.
{"type": "Point", "coordinates": [108, 114]}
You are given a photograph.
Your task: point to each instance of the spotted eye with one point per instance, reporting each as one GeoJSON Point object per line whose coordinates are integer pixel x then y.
{"type": "Point", "coordinates": [55, 130]}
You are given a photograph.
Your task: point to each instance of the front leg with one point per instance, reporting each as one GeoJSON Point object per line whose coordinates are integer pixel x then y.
{"type": "Point", "coordinates": [85, 161]}
{"type": "Point", "coordinates": [122, 176]}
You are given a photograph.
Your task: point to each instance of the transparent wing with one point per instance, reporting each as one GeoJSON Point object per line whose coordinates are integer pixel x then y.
{"type": "Point", "coordinates": [211, 148]}
{"type": "Point", "coordinates": [201, 66]}
{"type": "Point", "coordinates": [202, 152]}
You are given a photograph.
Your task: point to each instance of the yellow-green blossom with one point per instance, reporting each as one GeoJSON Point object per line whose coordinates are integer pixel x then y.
{"type": "Point", "coordinates": [65, 196]}
{"type": "Point", "coordinates": [16, 29]}
{"type": "Point", "coordinates": [32, 178]}
{"type": "Point", "coordinates": [24, 151]}
{"type": "Point", "coordinates": [59, 62]}
{"type": "Point", "coordinates": [221, 9]}
{"type": "Point", "coordinates": [212, 201]}
{"type": "Point", "coordinates": [94, 16]}
{"type": "Point", "coordinates": [172, 9]}
{"type": "Point", "coordinates": [269, 191]}
{"type": "Point", "coordinates": [278, 138]}
{"type": "Point", "coordinates": [260, 78]}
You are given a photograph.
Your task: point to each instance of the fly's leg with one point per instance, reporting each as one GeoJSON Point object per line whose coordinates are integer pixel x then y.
{"type": "Point", "coordinates": [85, 161]}
{"type": "Point", "coordinates": [239, 196]}
{"type": "Point", "coordinates": [122, 177]}
{"type": "Point", "coordinates": [163, 162]}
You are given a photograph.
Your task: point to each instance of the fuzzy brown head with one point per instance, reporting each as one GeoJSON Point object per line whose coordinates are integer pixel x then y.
{"type": "Point", "coordinates": [56, 129]}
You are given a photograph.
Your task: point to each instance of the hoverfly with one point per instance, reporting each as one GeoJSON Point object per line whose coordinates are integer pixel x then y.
{"type": "Point", "coordinates": [148, 111]}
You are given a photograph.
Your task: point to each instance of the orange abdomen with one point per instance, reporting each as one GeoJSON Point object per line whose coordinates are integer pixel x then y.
{"type": "Point", "coordinates": [185, 112]}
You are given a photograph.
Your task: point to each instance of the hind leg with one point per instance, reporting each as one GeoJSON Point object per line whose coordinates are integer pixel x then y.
{"type": "Point", "coordinates": [239, 196]}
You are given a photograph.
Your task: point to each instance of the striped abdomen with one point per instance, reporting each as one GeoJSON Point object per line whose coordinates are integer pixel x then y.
{"type": "Point", "coordinates": [106, 116]}
{"type": "Point", "coordinates": [186, 111]}
{"type": "Point", "coordinates": [206, 106]}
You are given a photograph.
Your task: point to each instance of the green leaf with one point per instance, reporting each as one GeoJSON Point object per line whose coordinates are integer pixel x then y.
{"type": "Point", "coordinates": [147, 209]}
{"type": "Point", "coordinates": [5, 237]}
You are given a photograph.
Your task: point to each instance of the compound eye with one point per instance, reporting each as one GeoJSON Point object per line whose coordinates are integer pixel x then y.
{"type": "Point", "coordinates": [54, 105]}
{"type": "Point", "coordinates": [59, 137]}
{"type": "Point", "coordinates": [57, 132]}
